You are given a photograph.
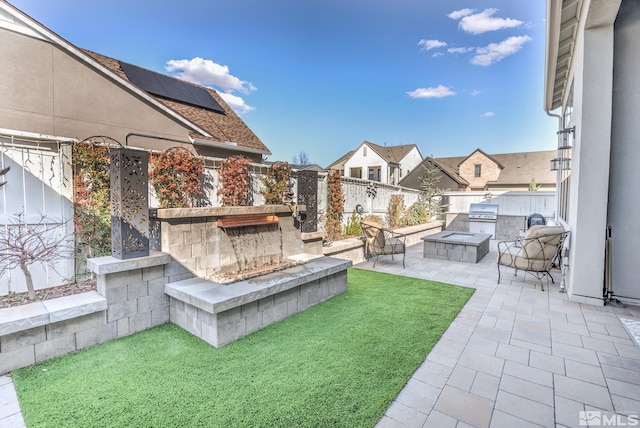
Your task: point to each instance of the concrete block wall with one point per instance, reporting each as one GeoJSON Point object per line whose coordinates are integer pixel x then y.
{"type": "Point", "coordinates": [353, 248]}
{"type": "Point", "coordinates": [130, 297]}
{"type": "Point", "coordinates": [195, 242]}
{"type": "Point", "coordinates": [221, 314]}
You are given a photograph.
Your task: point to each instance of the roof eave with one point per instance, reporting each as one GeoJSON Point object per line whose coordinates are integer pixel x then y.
{"type": "Point", "coordinates": [227, 145]}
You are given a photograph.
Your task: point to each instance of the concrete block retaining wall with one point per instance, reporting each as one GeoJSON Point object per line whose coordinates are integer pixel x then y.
{"type": "Point", "coordinates": [220, 314]}
{"type": "Point", "coordinates": [193, 239]}
{"type": "Point", "coordinates": [353, 248]}
{"type": "Point", "coordinates": [130, 297]}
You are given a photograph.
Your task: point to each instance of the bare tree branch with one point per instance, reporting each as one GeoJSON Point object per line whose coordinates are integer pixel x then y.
{"type": "Point", "coordinates": [24, 244]}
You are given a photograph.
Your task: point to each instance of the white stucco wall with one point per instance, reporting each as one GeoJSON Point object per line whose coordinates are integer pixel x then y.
{"type": "Point", "coordinates": [624, 203]}
{"type": "Point", "coordinates": [592, 75]}
{"type": "Point", "coordinates": [410, 161]}
{"type": "Point", "coordinates": [372, 159]}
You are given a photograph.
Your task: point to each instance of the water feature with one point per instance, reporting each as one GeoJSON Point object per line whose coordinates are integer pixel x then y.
{"type": "Point", "coordinates": [239, 269]}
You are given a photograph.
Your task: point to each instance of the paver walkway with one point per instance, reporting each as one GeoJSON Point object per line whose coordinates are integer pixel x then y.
{"type": "Point", "coordinates": [10, 415]}
{"type": "Point", "coordinates": [514, 357]}
{"type": "Point", "coordinates": [517, 356]}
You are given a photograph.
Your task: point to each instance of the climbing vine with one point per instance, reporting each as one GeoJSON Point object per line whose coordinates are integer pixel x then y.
{"type": "Point", "coordinates": [276, 183]}
{"type": "Point", "coordinates": [92, 213]}
{"type": "Point", "coordinates": [235, 181]}
{"type": "Point", "coordinates": [335, 206]}
{"type": "Point", "coordinates": [175, 175]}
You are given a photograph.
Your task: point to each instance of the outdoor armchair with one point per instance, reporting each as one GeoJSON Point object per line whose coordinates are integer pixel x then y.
{"type": "Point", "coordinates": [535, 253]}
{"type": "Point", "coordinates": [383, 242]}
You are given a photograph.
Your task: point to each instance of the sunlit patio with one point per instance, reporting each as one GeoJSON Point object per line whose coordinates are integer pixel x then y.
{"type": "Point", "coordinates": [518, 356]}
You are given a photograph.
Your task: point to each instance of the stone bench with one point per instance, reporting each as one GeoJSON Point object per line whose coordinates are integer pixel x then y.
{"type": "Point", "coordinates": [220, 314]}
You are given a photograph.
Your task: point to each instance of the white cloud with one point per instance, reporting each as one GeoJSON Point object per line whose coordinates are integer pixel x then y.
{"type": "Point", "coordinates": [475, 92]}
{"type": "Point", "coordinates": [460, 13]}
{"type": "Point", "coordinates": [437, 92]}
{"type": "Point", "coordinates": [489, 114]}
{"type": "Point", "coordinates": [482, 22]}
{"type": "Point", "coordinates": [206, 72]}
{"type": "Point", "coordinates": [427, 45]}
{"type": "Point", "coordinates": [437, 54]}
{"type": "Point", "coordinates": [495, 52]}
{"type": "Point", "coordinates": [236, 103]}
{"type": "Point", "coordinates": [459, 50]}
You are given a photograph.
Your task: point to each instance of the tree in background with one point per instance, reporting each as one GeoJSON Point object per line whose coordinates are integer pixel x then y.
{"type": "Point", "coordinates": [430, 193]}
{"type": "Point", "coordinates": [533, 186]}
{"type": "Point", "coordinates": [301, 159]}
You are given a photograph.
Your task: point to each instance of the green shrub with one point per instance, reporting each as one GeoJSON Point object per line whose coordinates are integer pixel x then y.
{"type": "Point", "coordinates": [416, 214]}
{"type": "Point", "coordinates": [354, 225]}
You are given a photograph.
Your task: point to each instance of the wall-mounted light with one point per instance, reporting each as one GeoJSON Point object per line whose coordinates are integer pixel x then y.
{"type": "Point", "coordinates": [561, 163]}
{"type": "Point", "coordinates": [565, 138]}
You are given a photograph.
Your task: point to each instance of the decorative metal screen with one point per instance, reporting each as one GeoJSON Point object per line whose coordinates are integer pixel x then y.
{"type": "Point", "coordinates": [308, 196]}
{"type": "Point", "coordinates": [129, 203]}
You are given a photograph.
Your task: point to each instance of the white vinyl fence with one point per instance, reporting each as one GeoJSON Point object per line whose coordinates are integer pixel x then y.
{"type": "Point", "coordinates": [38, 185]}
{"type": "Point", "coordinates": [510, 203]}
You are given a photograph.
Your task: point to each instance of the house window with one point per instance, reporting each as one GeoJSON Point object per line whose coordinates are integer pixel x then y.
{"type": "Point", "coordinates": [364, 151]}
{"type": "Point", "coordinates": [355, 172]}
{"type": "Point", "coordinates": [477, 171]}
{"type": "Point", "coordinates": [375, 173]}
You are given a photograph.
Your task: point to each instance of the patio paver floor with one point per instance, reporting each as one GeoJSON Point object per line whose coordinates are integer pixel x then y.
{"type": "Point", "coordinates": [514, 356]}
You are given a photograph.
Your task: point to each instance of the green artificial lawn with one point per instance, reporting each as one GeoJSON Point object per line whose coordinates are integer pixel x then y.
{"type": "Point", "coordinates": [340, 363]}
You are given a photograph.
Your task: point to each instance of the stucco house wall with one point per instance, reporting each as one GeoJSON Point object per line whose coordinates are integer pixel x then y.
{"type": "Point", "coordinates": [371, 159]}
{"type": "Point", "coordinates": [47, 91]}
{"type": "Point", "coordinates": [600, 97]}
{"type": "Point", "coordinates": [409, 162]}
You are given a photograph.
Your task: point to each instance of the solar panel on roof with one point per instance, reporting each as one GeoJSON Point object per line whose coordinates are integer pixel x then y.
{"type": "Point", "coordinates": [168, 87]}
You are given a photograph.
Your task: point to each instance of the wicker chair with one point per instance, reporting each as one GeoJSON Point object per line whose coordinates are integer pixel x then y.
{"type": "Point", "coordinates": [383, 242]}
{"type": "Point", "coordinates": [535, 253]}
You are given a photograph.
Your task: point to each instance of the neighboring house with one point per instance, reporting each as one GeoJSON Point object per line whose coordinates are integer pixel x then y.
{"type": "Point", "coordinates": [386, 165]}
{"type": "Point", "coordinates": [498, 172]}
{"type": "Point", "coordinates": [308, 167]}
{"type": "Point", "coordinates": [49, 86]}
{"type": "Point", "coordinates": [591, 81]}
{"type": "Point", "coordinates": [449, 177]}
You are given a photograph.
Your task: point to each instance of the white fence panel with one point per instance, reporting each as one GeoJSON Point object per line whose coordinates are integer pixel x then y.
{"type": "Point", "coordinates": [510, 203]}
{"type": "Point", "coordinates": [38, 184]}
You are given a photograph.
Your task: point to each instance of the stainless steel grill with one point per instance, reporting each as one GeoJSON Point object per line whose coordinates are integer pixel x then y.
{"type": "Point", "coordinates": [483, 218]}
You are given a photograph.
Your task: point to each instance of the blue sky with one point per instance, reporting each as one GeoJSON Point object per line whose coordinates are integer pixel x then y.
{"type": "Point", "coordinates": [323, 76]}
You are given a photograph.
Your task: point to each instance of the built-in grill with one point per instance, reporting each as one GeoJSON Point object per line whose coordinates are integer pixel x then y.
{"type": "Point", "coordinates": [483, 218]}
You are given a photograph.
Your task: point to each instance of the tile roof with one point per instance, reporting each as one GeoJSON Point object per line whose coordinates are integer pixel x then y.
{"type": "Point", "coordinates": [220, 127]}
{"type": "Point", "coordinates": [339, 163]}
{"type": "Point", "coordinates": [392, 154]}
{"type": "Point", "coordinates": [522, 167]}
{"type": "Point", "coordinates": [518, 168]}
